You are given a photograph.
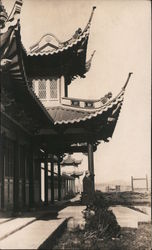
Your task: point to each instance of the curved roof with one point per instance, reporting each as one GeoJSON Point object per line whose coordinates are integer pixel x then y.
{"type": "Point", "coordinates": [12, 65]}
{"type": "Point", "coordinates": [63, 58]}
{"type": "Point", "coordinates": [65, 115]}
{"type": "Point", "coordinates": [62, 46]}
{"type": "Point", "coordinates": [78, 37]}
{"type": "Point", "coordinates": [70, 161]}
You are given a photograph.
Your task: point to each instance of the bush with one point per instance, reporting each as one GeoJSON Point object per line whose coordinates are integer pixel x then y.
{"type": "Point", "coordinates": [100, 222]}
{"type": "Point", "coordinates": [100, 201]}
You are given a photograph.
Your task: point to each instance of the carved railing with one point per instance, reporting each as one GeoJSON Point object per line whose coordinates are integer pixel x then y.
{"type": "Point", "coordinates": [85, 103]}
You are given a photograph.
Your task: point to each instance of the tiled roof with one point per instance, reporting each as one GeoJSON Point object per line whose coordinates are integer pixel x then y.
{"type": "Point", "coordinates": [63, 48]}
{"type": "Point", "coordinates": [70, 161]}
{"type": "Point", "coordinates": [64, 115]}
{"type": "Point", "coordinates": [78, 38]}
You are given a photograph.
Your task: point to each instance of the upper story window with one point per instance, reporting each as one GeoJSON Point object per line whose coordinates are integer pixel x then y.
{"type": "Point", "coordinates": [53, 89]}
{"type": "Point", "coordinates": [42, 89]}
{"type": "Point", "coordinates": [46, 89]}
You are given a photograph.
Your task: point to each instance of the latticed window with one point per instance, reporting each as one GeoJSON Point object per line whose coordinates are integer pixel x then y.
{"type": "Point", "coordinates": [42, 89]}
{"type": "Point", "coordinates": [53, 89]}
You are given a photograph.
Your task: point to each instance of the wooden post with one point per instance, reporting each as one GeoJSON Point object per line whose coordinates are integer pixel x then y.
{"type": "Point", "coordinates": [23, 185]}
{"type": "Point", "coordinates": [91, 162]}
{"type": "Point", "coordinates": [59, 181]}
{"type": "Point", "coordinates": [2, 162]}
{"type": "Point", "coordinates": [146, 182]}
{"type": "Point", "coordinates": [46, 178]}
{"type": "Point", "coordinates": [39, 166]}
{"type": "Point", "coordinates": [132, 184]}
{"type": "Point", "coordinates": [31, 179]}
{"type": "Point", "coordinates": [16, 178]}
{"type": "Point", "coordinates": [52, 181]}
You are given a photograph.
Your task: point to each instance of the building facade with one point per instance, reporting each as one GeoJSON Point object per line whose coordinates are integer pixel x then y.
{"type": "Point", "coordinates": [39, 121]}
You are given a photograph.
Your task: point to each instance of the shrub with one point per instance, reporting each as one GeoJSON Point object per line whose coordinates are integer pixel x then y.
{"type": "Point", "coordinates": [101, 223]}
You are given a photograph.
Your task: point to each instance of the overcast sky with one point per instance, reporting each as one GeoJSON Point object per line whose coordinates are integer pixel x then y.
{"type": "Point", "coordinates": [120, 34]}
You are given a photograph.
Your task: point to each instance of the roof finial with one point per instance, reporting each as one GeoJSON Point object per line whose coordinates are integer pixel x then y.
{"type": "Point", "coordinates": [129, 75]}
{"type": "Point", "coordinates": [16, 10]}
{"type": "Point", "coordinates": [90, 19]}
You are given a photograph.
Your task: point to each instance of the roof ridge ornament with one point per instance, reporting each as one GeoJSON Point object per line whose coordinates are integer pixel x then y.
{"type": "Point", "coordinates": [90, 19]}
{"type": "Point", "coordinates": [129, 75]}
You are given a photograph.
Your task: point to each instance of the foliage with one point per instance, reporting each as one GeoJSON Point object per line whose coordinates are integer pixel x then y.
{"type": "Point", "coordinates": [100, 222]}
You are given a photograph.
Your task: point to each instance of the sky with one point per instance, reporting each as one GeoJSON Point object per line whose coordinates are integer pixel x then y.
{"type": "Point", "coordinates": [120, 34]}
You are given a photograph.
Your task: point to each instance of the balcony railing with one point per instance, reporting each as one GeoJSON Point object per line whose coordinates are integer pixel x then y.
{"type": "Point", "coordinates": [85, 103]}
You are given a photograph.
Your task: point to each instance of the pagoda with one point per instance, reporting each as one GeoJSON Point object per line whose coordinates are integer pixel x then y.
{"type": "Point", "coordinates": [39, 121]}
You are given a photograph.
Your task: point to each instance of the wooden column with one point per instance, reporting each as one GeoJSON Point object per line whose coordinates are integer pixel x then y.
{"type": "Point", "coordinates": [59, 181]}
{"type": "Point", "coordinates": [39, 166]}
{"type": "Point", "coordinates": [16, 178]}
{"type": "Point", "coordinates": [52, 182]}
{"type": "Point", "coordinates": [23, 185]}
{"type": "Point", "coordinates": [91, 162]}
{"type": "Point", "coordinates": [2, 162]}
{"type": "Point", "coordinates": [46, 178]}
{"type": "Point", "coordinates": [31, 178]}
{"type": "Point", "coordinates": [132, 185]}
{"type": "Point", "coordinates": [146, 182]}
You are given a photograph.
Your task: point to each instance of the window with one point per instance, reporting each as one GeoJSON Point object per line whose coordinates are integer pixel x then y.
{"type": "Point", "coordinates": [53, 89]}
{"type": "Point", "coordinates": [42, 89]}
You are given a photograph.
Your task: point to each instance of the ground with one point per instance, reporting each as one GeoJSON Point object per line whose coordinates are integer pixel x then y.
{"type": "Point", "coordinates": [130, 239]}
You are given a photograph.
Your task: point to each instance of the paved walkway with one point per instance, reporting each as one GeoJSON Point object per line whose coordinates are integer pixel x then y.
{"type": "Point", "coordinates": [32, 236]}
{"type": "Point", "coordinates": [127, 217]}
{"type": "Point", "coordinates": [76, 216]}
{"type": "Point", "coordinates": [35, 232]}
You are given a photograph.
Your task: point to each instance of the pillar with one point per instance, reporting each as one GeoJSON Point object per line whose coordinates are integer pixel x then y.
{"type": "Point", "coordinates": [132, 185]}
{"type": "Point", "coordinates": [23, 184]}
{"type": "Point", "coordinates": [31, 178]}
{"type": "Point", "coordinates": [52, 182]}
{"type": "Point", "coordinates": [146, 182]}
{"type": "Point", "coordinates": [91, 162]}
{"type": "Point", "coordinates": [46, 179]}
{"type": "Point", "coordinates": [16, 178]}
{"type": "Point", "coordinates": [39, 166]}
{"type": "Point", "coordinates": [2, 171]}
{"type": "Point", "coordinates": [59, 181]}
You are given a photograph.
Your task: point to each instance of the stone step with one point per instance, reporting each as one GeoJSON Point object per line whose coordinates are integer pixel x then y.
{"type": "Point", "coordinates": [38, 234]}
